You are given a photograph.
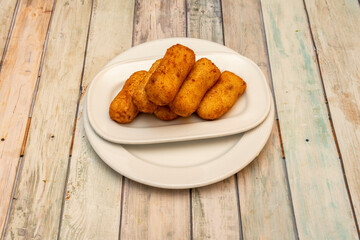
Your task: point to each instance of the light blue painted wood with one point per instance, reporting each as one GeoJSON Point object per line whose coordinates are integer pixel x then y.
{"type": "Point", "coordinates": [265, 205]}
{"type": "Point", "coordinates": [335, 26]}
{"type": "Point", "coordinates": [321, 204]}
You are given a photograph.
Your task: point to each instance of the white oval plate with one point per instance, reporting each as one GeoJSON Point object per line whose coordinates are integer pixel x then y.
{"type": "Point", "coordinates": [249, 111]}
{"type": "Point", "coordinates": [180, 165]}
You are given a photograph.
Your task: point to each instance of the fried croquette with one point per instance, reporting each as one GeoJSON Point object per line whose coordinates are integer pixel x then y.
{"type": "Point", "coordinates": [164, 113]}
{"type": "Point", "coordinates": [165, 82]}
{"type": "Point", "coordinates": [122, 109]}
{"type": "Point", "coordinates": [140, 98]}
{"type": "Point", "coordinates": [202, 77]}
{"type": "Point", "coordinates": [222, 96]}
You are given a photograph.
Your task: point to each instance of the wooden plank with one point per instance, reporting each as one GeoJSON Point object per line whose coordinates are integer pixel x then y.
{"type": "Point", "coordinates": [18, 78]}
{"type": "Point", "coordinates": [205, 20]}
{"type": "Point", "coordinates": [154, 213]}
{"type": "Point", "coordinates": [264, 198]}
{"type": "Point", "coordinates": [335, 27]}
{"type": "Point", "coordinates": [151, 213]}
{"type": "Point", "coordinates": [92, 206]}
{"type": "Point", "coordinates": [214, 207]}
{"type": "Point", "coordinates": [35, 212]}
{"type": "Point", "coordinates": [7, 13]}
{"type": "Point", "coordinates": [321, 203]}
{"type": "Point", "coordinates": [158, 19]}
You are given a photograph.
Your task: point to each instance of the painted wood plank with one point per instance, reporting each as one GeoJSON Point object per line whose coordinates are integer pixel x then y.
{"type": "Point", "coordinates": [18, 78]}
{"type": "Point", "coordinates": [320, 199]}
{"type": "Point", "coordinates": [36, 208]}
{"type": "Point", "coordinates": [7, 12]}
{"type": "Point", "coordinates": [152, 213]}
{"type": "Point", "coordinates": [214, 207]}
{"type": "Point", "coordinates": [335, 27]}
{"type": "Point", "coordinates": [92, 207]}
{"type": "Point", "coordinates": [264, 198]}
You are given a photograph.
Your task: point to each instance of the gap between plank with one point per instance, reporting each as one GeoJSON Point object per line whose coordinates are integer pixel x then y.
{"type": "Point", "coordinates": [241, 233]}
{"type": "Point", "coordinates": [22, 151]}
{"type": "Point", "coordinates": [64, 196]}
{"type": "Point", "coordinates": [11, 198]}
{"type": "Point", "coordinates": [278, 125]}
{"type": "Point", "coordinates": [75, 124]}
{"type": "Point", "coordinates": [121, 203]}
{"type": "Point", "coordinates": [222, 21]}
{"type": "Point", "coordinates": [330, 120]}
{"type": "Point", "coordinates": [16, 10]}
{"type": "Point", "coordinates": [191, 214]}
{"type": "Point", "coordinates": [136, 3]}
{"type": "Point", "coordinates": [25, 137]}
{"type": "Point", "coordinates": [186, 17]}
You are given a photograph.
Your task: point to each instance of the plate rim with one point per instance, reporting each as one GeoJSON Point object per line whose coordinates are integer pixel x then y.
{"type": "Point", "coordinates": [165, 185]}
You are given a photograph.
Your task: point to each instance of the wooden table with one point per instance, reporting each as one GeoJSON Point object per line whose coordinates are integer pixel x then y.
{"type": "Point", "coordinates": [304, 184]}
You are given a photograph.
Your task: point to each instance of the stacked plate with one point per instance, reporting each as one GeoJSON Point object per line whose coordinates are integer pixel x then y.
{"type": "Point", "coordinates": [186, 152]}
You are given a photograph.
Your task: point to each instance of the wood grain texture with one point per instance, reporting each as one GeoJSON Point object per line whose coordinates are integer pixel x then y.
{"type": "Point", "coordinates": [320, 199]}
{"type": "Point", "coordinates": [214, 207]}
{"type": "Point", "coordinates": [215, 211]}
{"type": "Point", "coordinates": [93, 199]}
{"type": "Point", "coordinates": [35, 212]}
{"type": "Point", "coordinates": [18, 78]}
{"type": "Point", "coordinates": [152, 213]}
{"type": "Point", "coordinates": [158, 19]}
{"type": "Point", "coordinates": [264, 198]}
{"type": "Point", "coordinates": [205, 20]}
{"type": "Point", "coordinates": [335, 27]}
{"type": "Point", "coordinates": [7, 12]}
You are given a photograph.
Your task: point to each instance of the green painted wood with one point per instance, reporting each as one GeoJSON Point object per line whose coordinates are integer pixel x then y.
{"type": "Point", "coordinates": [152, 213]}
{"type": "Point", "coordinates": [92, 208]}
{"type": "Point", "coordinates": [264, 197]}
{"type": "Point", "coordinates": [320, 199]}
{"type": "Point", "coordinates": [214, 207]}
{"type": "Point", "coordinates": [35, 212]}
{"type": "Point", "coordinates": [335, 27]}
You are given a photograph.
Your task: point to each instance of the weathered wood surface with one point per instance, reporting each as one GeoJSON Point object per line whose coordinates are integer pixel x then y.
{"type": "Point", "coordinates": [18, 77]}
{"type": "Point", "coordinates": [151, 213]}
{"type": "Point", "coordinates": [335, 27]}
{"type": "Point", "coordinates": [7, 14]}
{"type": "Point", "coordinates": [92, 207]}
{"type": "Point", "coordinates": [36, 208]}
{"type": "Point", "coordinates": [99, 203]}
{"type": "Point", "coordinates": [265, 205]}
{"type": "Point", "coordinates": [320, 200]}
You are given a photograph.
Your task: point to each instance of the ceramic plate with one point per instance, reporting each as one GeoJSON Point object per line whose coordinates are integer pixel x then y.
{"type": "Point", "coordinates": [250, 110]}
{"type": "Point", "coordinates": [184, 164]}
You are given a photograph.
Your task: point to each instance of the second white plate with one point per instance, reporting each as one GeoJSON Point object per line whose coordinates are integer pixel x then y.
{"type": "Point", "coordinates": [248, 112]}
